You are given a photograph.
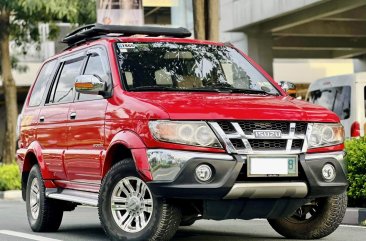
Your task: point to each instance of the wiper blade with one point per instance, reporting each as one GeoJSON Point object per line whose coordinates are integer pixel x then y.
{"type": "Point", "coordinates": [153, 87]}
{"type": "Point", "coordinates": [238, 90]}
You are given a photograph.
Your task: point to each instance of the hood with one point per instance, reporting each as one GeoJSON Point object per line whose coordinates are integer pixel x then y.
{"type": "Point", "coordinates": [230, 106]}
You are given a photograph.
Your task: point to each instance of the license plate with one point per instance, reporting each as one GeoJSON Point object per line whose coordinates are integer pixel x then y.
{"type": "Point", "coordinates": [266, 166]}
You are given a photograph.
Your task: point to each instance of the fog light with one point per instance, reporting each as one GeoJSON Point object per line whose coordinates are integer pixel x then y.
{"type": "Point", "coordinates": [328, 172]}
{"type": "Point", "coordinates": [203, 173]}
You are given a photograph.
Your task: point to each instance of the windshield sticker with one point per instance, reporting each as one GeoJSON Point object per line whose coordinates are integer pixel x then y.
{"type": "Point", "coordinates": [125, 46]}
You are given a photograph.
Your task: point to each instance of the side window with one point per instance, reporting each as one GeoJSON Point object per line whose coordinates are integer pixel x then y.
{"type": "Point", "coordinates": [94, 66]}
{"type": "Point", "coordinates": [63, 89]}
{"type": "Point", "coordinates": [41, 83]}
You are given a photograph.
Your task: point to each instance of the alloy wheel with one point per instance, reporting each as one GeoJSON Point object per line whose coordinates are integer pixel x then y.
{"type": "Point", "coordinates": [131, 204]}
{"type": "Point", "coordinates": [34, 199]}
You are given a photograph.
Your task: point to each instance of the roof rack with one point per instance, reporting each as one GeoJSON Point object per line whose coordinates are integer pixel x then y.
{"type": "Point", "coordinates": [93, 31]}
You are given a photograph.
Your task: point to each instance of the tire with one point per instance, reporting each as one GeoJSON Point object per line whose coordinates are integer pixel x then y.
{"type": "Point", "coordinates": [44, 215]}
{"type": "Point", "coordinates": [159, 219]}
{"type": "Point", "coordinates": [326, 214]}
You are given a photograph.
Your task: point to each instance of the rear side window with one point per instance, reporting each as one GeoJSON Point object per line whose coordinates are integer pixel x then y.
{"type": "Point", "coordinates": [336, 99]}
{"type": "Point", "coordinates": [63, 89]}
{"type": "Point", "coordinates": [41, 83]}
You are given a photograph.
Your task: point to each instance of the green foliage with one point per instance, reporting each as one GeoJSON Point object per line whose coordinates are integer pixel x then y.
{"type": "Point", "coordinates": [9, 177]}
{"type": "Point", "coordinates": [356, 165]}
{"type": "Point", "coordinates": [15, 65]}
{"type": "Point", "coordinates": [26, 14]}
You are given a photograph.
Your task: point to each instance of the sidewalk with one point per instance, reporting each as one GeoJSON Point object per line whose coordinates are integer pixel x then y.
{"type": "Point", "coordinates": [355, 216]}
{"type": "Point", "coordinates": [11, 195]}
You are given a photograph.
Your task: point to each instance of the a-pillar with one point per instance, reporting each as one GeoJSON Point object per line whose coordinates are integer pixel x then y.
{"type": "Point", "coordinates": [260, 49]}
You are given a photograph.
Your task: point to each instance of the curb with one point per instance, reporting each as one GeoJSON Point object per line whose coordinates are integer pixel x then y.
{"type": "Point", "coordinates": [11, 195]}
{"type": "Point", "coordinates": [355, 216]}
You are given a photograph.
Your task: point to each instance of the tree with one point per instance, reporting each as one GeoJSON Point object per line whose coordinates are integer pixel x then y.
{"type": "Point", "coordinates": [206, 19]}
{"type": "Point", "coordinates": [19, 22]}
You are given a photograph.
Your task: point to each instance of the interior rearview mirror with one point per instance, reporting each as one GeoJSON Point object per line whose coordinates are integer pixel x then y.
{"type": "Point", "coordinates": [90, 84]}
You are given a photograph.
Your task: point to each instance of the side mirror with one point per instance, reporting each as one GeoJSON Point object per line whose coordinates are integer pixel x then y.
{"type": "Point", "coordinates": [90, 84]}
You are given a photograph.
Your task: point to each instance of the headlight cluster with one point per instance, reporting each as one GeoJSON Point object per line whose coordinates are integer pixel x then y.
{"type": "Point", "coordinates": [195, 133]}
{"type": "Point", "coordinates": [325, 134]}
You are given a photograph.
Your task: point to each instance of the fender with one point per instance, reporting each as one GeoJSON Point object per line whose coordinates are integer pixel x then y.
{"type": "Point", "coordinates": [23, 156]}
{"type": "Point", "coordinates": [133, 142]}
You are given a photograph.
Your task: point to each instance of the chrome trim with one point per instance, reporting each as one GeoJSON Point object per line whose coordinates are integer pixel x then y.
{"type": "Point", "coordinates": [291, 136]}
{"type": "Point", "coordinates": [242, 136]}
{"type": "Point", "coordinates": [74, 196]}
{"type": "Point", "coordinates": [268, 190]}
{"type": "Point", "coordinates": [165, 165]}
{"type": "Point", "coordinates": [224, 138]}
{"type": "Point", "coordinates": [307, 138]}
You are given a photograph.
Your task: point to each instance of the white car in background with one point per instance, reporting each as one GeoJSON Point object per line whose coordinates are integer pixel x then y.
{"type": "Point", "coordinates": [345, 95]}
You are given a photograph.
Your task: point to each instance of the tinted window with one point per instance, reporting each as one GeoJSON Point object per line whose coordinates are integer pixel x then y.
{"type": "Point", "coordinates": [187, 67]}
{"type": "Point", "coordinates": [94, 67]}
{"type": "Point", "coordinates": [63, 90]}
{"type": "Point", "coordinates": [41, 83]}
{"type": "Point", "coordinates": [336, 99]}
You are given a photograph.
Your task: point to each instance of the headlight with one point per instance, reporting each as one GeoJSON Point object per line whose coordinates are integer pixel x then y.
{"type": "Point", "coordinates": [325, 134]}
{"type": "Point", "coordinates": [195, 133]}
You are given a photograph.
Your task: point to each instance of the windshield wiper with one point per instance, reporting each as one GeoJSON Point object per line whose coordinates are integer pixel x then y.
{"type": "Point", "coordinates": [220, 89]}
{"type": "Point", "coordinates": [153, 87]}
{"type": "Point", "coordinates": [248, 91]}
{"type": "Point", "coordinates": [234, 90]}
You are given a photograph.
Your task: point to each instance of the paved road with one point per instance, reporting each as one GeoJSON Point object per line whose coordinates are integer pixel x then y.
{"type": "Point", "coordinates": [83, 225]}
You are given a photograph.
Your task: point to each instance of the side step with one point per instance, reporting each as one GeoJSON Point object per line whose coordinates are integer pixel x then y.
{"type": "Point", "coordinates": [88, 198]}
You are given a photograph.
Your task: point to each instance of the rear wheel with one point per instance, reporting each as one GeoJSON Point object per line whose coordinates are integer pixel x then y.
{"type": "Point", "coordinates": [128, 210]}
{"type": "Point", "coordinates": [314, 220]}
{"type": "Point", "coordinates": [44, 215]}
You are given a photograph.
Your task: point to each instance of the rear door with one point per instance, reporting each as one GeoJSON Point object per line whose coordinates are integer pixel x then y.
{"type": "Point", "coordinates": [86, 125]}
{"type": "Point", "coordinates": [29, 117]}
{"type": "Point", "coordinates": [53, 117]}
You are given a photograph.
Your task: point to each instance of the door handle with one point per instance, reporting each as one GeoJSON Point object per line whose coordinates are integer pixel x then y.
{"type": "Point", "coordinates": [73, 116]}
{"type": "Point", "coordinates": [41, 118]}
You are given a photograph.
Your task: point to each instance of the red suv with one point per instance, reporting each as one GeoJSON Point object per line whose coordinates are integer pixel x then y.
{"type": "Point", "coordinates": [158, 131]}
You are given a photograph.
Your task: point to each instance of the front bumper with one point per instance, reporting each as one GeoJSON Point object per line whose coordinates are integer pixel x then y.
{"type": "Point", "coordinates": [174, 177]}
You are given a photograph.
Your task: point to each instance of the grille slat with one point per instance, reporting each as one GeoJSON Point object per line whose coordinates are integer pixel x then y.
{"type": "Point", "coordinates": [248, 143]}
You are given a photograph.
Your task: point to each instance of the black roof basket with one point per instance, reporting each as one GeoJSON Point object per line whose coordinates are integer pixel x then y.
{"type": "Point", "coordinates": [93, 31]}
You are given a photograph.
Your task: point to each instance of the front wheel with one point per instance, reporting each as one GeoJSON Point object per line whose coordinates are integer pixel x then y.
{"type": "Point", "coordinates": [314, 220]}
{"type": "Point", "coordinates": [128, 210]}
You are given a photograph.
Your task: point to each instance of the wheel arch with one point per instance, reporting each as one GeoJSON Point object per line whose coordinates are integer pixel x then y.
{"type": "Point", "coordinates": [33, 156]}
{"type": "Point", "coordinates": [127, 144]}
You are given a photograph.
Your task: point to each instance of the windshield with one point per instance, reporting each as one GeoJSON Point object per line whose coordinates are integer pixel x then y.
{"type": "Point", "coordinates": [188, 67]}
{"type": "Point", "coordinates": [336, 99]}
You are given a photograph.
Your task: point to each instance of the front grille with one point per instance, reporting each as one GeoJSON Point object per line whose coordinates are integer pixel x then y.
{"type": "Point", "coordinates": [238, 143]}
{"type": "Point", "coordinates": [227, 127]}
{"type": "Point", "coordinates": [301, 128]}
{"type": "Point", "coordinates": [249, 126]}
{"type": "Point", "coordinates": [239, 136]}
{"type": "Point", "coordinates": [297, 144]}
{"type": "Point", "coordinates": [267, 145]}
